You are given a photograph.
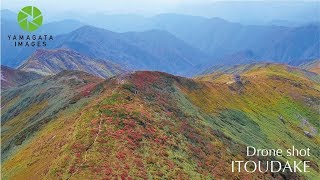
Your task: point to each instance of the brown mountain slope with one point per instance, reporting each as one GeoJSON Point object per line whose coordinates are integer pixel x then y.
{"type": "Point", "coordinates": [11, 77]}
{"type": "Point", "coordinates": [313, 66]}
{"type": "Point", "coordinates": [50, 62]}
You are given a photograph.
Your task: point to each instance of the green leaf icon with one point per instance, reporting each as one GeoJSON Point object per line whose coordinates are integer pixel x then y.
{"type": "Point", "coordinates": [30, 18]}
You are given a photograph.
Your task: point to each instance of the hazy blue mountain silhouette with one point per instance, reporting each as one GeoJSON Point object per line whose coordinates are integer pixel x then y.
{"type": "Point", "coordinates": [60, 27]}
{"type": "Point", "coordinates": [190, 41]}
{"type": "Point", "coordinates": [149, 50]}
{"type": "Point", "coordinates": [220, 38]}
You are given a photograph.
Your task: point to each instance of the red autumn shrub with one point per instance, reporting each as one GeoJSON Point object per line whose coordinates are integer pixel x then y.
{"type": "Point", "coordinates": [72, 170]}
{"type": "Point", "coordinates": [121, 155]}
{"type": "Point", "coordinates": [108, 171]}
{"type": "Point", "coordinates": [124, 175]}
{"type": "Point", "coordinates": [86, 90]}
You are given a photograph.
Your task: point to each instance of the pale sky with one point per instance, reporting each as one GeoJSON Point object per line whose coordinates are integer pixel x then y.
{"type": "Point", "coordinates": [112, 6]}
{"type": "Point", "coordinates": [235, 10]}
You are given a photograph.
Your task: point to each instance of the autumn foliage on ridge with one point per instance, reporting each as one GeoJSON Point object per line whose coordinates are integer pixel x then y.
{"type": "Point", "coordinates": [146, 125]}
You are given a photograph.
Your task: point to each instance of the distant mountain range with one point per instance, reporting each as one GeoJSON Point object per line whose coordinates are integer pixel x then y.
{"type": "Point", "coordinates": [153, 50]}
{"type": "Point", "coordinates": [51, 62]}
{"type": "Point", "coordinates": [173, 43]}
{"type": "Point", "coordinates": [219, 37]}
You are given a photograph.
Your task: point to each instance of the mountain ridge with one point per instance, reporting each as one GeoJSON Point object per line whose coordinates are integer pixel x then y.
{"type": "Point", "coordinates": [211, 39]}
{"type": "Point", "coordinates": [313, 66]}
{"type": "Point", "coordinates": [159, 125]}
{"type": "Point", "coordinates": [11, 77]}
{"type": "Point", "coordinates": [138, 50]}
{"type": "Point", "coordinates": [50, 62]}
{"type": "Point", "coordinates": [217, 72]}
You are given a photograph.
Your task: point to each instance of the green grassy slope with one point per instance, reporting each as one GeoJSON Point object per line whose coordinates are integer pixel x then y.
{"type": "Point", "coordinates": [28, 108]}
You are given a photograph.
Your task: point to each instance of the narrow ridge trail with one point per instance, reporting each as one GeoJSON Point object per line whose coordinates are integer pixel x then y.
{"type": "Point", "coordinates": [89, 147]}
{"type": "Point", "coordinates": [95, 139]}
